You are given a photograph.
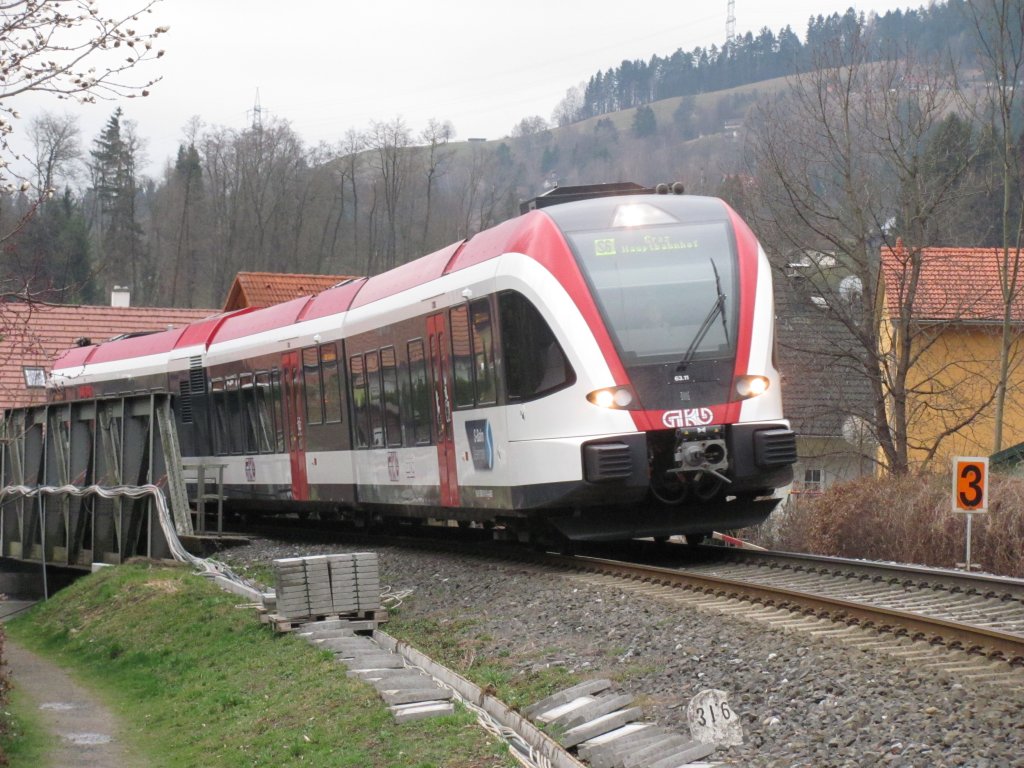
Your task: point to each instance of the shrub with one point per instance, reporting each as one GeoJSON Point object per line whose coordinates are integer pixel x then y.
{"type": "Point", "coordinates": [906, 519]}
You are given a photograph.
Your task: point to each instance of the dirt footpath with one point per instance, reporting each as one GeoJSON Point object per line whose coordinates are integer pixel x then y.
{"type": "Point", "coordinates": [85, 732]}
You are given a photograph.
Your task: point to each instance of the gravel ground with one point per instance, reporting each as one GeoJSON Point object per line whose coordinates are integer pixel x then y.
{"type": "Point", "coordinates": [803, 701]}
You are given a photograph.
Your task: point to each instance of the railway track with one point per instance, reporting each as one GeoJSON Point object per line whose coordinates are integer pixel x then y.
{"type": "Point", "coordinates": [811, 689]}
{"type": "Point", "coordinates": [978, 614]}
{"type": "Point", "coordinates": [974, 613]}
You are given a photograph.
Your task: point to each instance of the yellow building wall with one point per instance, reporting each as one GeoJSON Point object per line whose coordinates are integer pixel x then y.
{"type": "Point", "coordinates": [952, 385]}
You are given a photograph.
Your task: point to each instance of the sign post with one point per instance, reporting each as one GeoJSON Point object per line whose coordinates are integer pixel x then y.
{"type": "Point", "coordinates": [970, 492]}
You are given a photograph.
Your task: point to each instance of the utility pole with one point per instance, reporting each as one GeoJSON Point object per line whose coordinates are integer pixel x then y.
{"type": "Point", "coordinates": [257, 114]}
{"type": "Point", "coordinates": [730, 24]}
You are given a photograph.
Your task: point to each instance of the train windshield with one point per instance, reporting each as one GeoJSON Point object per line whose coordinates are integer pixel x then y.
{"type": "Point", "coordinates": [667, 293]}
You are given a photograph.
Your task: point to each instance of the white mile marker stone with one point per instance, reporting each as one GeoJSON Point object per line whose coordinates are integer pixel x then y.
{"type": "Point", "coordinates": [713, 720]}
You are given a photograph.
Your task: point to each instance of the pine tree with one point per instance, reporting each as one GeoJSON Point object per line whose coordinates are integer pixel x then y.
{"type": "Point", "coordinates": [644, 122]}
{"type": "Point", "coordinates": [188, 177]}
{"type": "Point", "coordinates": [118, 236]}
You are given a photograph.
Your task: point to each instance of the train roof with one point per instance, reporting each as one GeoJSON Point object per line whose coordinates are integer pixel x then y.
{"type": "Point", "coordinates": [520, 234]}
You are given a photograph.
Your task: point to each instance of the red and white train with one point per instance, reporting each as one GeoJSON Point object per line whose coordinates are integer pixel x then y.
{"type": "Point", "coordinates": [600, 366]}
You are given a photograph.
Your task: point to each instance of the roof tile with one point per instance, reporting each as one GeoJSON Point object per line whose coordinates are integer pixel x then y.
{"type": "Point", "coordinates": [264, 289]}
{"type": "Point", "coordinates": [953, 284]}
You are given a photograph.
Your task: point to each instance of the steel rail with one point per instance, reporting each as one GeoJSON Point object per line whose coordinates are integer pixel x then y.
{"type": "Point", "coordinates": [963, 579]}
{"type": "Point", "coordinates": [968, 637]}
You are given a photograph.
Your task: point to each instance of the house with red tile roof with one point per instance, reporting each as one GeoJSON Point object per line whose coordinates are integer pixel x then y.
{"type": "Point", "coordinates": [263, 289]}
{"type": "Point", "coordinates": [954, 300]}
{"type": "Point", "coordinates": [33, 334]}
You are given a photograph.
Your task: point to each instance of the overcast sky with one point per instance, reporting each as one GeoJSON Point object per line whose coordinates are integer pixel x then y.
{"type": "Point", "coordinates": [330, 65]}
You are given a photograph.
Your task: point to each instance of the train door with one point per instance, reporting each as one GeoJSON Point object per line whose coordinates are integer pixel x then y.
{"type": "Point", "coordinates": [441, 376]}
{"type": "Point", "coordinates": [295, 423]}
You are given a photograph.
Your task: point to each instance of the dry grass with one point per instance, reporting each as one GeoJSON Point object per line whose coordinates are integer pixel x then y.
{"type": "Point", "coordinates": [904, 519]}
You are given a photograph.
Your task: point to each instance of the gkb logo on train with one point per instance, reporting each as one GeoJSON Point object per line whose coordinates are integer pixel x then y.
{"type": "Point", "coordinates": [688, 417]}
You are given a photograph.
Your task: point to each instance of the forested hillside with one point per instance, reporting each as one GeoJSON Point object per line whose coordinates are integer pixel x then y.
{"type": "Point", "coordinates": [261, 198]}
{"type": "Point", "coordinates": [751, 57]}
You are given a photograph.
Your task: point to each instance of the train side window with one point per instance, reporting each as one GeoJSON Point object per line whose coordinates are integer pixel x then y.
{"type": "Point", "coordinates": [221, 446]}
{"type": "Point", "coordinates": [483, 353]}
{"type": "Point", "coordinates": [264, 413]}
{"type": "Point", "coordinates": [419, 392]}
{"type": "Point", "coordinates": [332, 383]}
{"type": "Point", "coordinates": [374, 399]}
{"type": "Point", "coordinates": [249, 417]}
{"type": "Point", "coordinates": [360, 406]}
{"type": "Point", "coordinates": [276, 403]}
{"type": "Point", "coordinates": [392, 414]}
{"type": "Point", "coordinates": [462, 357]}
{"type": "Point", "coordinates": [313, 386]}
{"type": "Point", "coordinates": [535, 363]}
{"type": "Point", "coordinates": [234, 413]}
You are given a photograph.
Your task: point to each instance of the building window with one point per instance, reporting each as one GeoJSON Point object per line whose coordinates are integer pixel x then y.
{"type": "Point", "coordinates": [813, 481]}
{"type": "Point", "coordinates": [35, 377]}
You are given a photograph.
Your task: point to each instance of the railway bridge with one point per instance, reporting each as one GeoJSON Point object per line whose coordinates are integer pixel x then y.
{"type": "Point", "coordinates": [93, 481]}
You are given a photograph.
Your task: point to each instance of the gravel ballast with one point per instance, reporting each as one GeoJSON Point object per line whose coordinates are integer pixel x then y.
{"type": "Point", "coordinates": [803, 701]}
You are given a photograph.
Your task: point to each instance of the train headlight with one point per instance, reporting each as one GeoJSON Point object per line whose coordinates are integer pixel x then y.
{"type": "Point", "coordinates": [611, 397]}
{"type": "Point", "coordinates": [751, 386]}
{"type": "Point", "coordinates": [640, 215]}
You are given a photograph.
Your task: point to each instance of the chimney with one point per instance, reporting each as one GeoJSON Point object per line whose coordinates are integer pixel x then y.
{"type": "Point", "coordinates": [120, 296]}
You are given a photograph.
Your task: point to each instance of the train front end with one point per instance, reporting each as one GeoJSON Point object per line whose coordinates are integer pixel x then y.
{"type": "Point", "coordinates": [683, 291]}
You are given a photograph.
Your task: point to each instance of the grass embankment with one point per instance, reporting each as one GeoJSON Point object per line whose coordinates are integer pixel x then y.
{"type": "Point", "coordinates": [198, 681]}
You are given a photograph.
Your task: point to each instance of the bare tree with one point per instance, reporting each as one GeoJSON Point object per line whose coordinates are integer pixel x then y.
{"type": "Point", "coordinates": [389, 143]}
{"type": "Point", "coordinates": [842, 170]}
{"type": "Point", "coordinates": [570, 108]}
{"type": "Point", "coordinates": [72, 50]}
{"type": "Point", "coordinates": [435, 136]}
{"type": "Point", "coordinates": [56, 150]}
{"type": "Point", "coordinates": [998, 27]}
{"type": "Point", "coordinates": [352, 148]}
{"type": "Point", "coordinates": [529, 126]}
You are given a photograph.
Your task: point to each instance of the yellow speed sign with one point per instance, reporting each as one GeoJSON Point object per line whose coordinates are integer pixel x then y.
{"type": "Point", "coordinates": [970, 484]}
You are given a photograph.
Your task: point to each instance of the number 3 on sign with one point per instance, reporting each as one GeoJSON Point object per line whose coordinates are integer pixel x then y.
{"type": "Point", "coordinates": [970, 484]}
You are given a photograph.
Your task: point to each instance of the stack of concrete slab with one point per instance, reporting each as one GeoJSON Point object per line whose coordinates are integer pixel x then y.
{"type": "Point", "coordinates": [318, 585]}
{"type": "Point", "coordinates": [606, 731]}
{"type": "Point", "coordinates": [367, 580]}
{"type": "Point", "coordinates": [291, 596]}
{"type": "Point", "coordinates": [325, 585]}
{"type": "Point", "coordinates": [345, 594]}
{"type": "Point", "coordinates": [410, 693]}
